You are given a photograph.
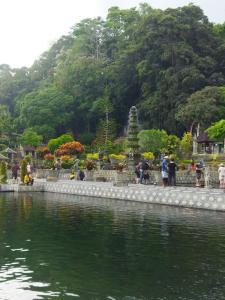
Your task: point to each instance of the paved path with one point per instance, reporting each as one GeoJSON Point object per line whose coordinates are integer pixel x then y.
{"type": "Point", "coordinates": [212, 199]}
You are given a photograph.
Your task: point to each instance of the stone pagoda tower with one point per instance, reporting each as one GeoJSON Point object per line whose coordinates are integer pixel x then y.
{"type": "Point", "coordinates": [132, 137]}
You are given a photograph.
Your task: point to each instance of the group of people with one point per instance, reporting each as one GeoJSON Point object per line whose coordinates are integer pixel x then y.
{"type": "Point", "coordinates": [168, 171]}
{"type": "Point", "coordinates": [80, 175]}
{"type": "Point", "coordinates": [142, 173]}
{"type": "Point", "coordinates": [169, 168]}
{"type": "Point", "coordinates": [28, 179]}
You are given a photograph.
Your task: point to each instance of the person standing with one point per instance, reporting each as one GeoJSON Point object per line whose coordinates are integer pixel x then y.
{"type": "Point", "coordinates": [172, 167]}
{"type": "Point", "coordinates": [141, 173]}
{"type": "Point", "coordinates": [80, 175]}
{"type": "Point", "coordinates": [137, 172]}
{"type": "Point", "coordinates": [57, 166]}
{"type": "Point", "coordinates": [15, 169]}
{"type": "Point", "coordinates": [29, 170]}
{"type": "Point", "coordinates": [75, 165]}
{"type": "Point", "coordinates": [192, 166]}
{"type": "Point", "coordinates": [165, 171]}
{"type": "Point", "coordinates": [198, 172]}
{"type": "Point", "coordinates": [221, 172]}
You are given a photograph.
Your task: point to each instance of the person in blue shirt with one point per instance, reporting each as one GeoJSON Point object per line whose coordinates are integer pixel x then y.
{"type": "Point", "coordinates": [164, 171]}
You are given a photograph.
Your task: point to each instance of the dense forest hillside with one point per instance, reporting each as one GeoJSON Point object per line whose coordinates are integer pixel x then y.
{"type": "Point", "coordinates": [170, 64]}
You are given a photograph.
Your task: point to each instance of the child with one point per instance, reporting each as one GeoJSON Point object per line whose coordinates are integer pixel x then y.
{"type": "Point", "coordinates": [72, 175]}
{"type": "Point", "coordinates": [28, 180]}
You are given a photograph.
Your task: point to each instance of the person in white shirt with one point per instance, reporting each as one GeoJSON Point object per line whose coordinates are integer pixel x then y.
{"type": "Point", "coordinates": [29, 171]}
{"type": "Point", "coordinates": [221, 172]}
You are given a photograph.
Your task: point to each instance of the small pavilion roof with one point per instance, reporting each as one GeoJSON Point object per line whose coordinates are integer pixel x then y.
{"type": "Point", "coordinates": [204, 138]}
{"type": "Point", "coordinates": [9, 150]}
{"type": "Point", "coordinates": [28, 148]}
{"type": "Point", "coordinates": [2, 157]}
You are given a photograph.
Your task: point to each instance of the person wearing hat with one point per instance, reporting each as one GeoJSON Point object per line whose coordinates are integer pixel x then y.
{"type": "Point", "coordinates": [221, 172]}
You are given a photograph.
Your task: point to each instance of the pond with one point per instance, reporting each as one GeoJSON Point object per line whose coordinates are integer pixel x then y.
{"type": "Point", "coordinates": [67, 247]}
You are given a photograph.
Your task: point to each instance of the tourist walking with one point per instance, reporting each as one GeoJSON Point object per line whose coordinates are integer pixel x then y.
{"type": "Point", "coordinates": [15, 169]}
{"type": "Point", "coordinates": [221, 172]}
{"type": "Point", "coordinates": [172, 168]}
{"type": "Point", "coordinates": [80, 175]}
{"type": "Point", "coordinates": [29, 169]}
{"type": "Point", "coordinates": [141, 173]}
{"type": "Point", "coordinates": [57, 167]}
{"type": "Point", "coordinates": [192, 166]}
{"type": "Point", "coordinates": [164, 171]}
{"type": "Point", "coordinates": [198, 172]}
{"type": "Point", "coordinates": [137, 171]}
{"type": "Point", "coordinates": [75, 165]}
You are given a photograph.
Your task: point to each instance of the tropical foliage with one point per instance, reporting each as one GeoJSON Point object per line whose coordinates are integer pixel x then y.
{"type": "Point", "coordinates": [31, 138]}
{"type": "Point", "coordinates": [217, 131]}
{"type": "Point", "coordinates": [3, 172]}
{"type": "Point", "coordinates": [169, 63]}
{"type": "Point", "coordinates": [148, 155]}
{"type": "Point", "coordinates": [54, 144]}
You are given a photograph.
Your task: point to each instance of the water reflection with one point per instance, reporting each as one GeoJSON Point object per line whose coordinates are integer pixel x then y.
{"type": "Point", "coordinates": [65, 247]}
{"type": "Point", "coordinates": [16, 283]}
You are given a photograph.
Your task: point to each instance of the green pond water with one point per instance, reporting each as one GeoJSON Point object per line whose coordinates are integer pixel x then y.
{"type": "Point", "coordinates": [67, 247]}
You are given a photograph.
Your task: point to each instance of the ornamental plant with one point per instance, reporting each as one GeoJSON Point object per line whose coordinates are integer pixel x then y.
{"type": "Point", "coordinates": [49, 156]}
{"type": "Point", "coordinates": [23, 169]}
{"type": "Point", "coordinates": [70, 148]}
{"type": "Point", "coordinates": [67, 162]}
{"type": "Point", "coordinates": [92, 156]}
{"type": "Point", "coordinates": [3, 172]}
{"type": "Point", "coordinates": [54, 144]}
{"type": "Point", "coordinates": [89, 165]}
{"type": "Point", "coordinates": [186, 143]}
{"type": "Point", "coordinates": [66, 157]}
{"type": "Point", "coordinates": [117, 156]}
{"type": "Point", "coordinates": [148, 155]}
{"type": "Point", "coordinates": [42, 151]}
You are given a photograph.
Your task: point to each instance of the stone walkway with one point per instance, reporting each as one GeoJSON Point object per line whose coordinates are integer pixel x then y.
{"type": "Point", "coordinates": [179, 196]}
{"type": "Point", "coordinates": [211, 199]}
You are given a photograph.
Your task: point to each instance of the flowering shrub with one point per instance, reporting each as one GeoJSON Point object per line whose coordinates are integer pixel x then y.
{"type": "Point", "coordinates": [120, 167]}
{"type": "Point", "coordinates": [49, 156]}
{"type": "Point", "coordinates": [89, 165]}
{"type": "Point", "coordinates": [67, 164]}
{"type": "Point", "coordinates": [70, 148]}
{"type": "Point", "coordinates": [48, 164]}
{"type": "Point", "coordinates": [93, 156]}
{"type": "Point", "coordinates": [67, 161]}
{"type": "Point", "coordinates": [117, 156]}
{"type": "Point", "coordinates": [148, 155]}
{"type": "Point", "coordinates": [66, 157]}
{"type": "Point", "coordinates": [42, 151]}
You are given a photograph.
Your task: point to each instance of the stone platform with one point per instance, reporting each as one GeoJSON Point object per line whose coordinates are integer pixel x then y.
{"type": "Point", "coordinates": [200, 198]}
